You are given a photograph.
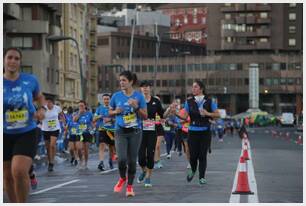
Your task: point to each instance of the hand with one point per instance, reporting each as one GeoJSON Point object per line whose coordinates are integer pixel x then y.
{"type": "Point", "coordinates": [40, 114]}
{"type": "Point", "coordinates": [133, 103]}
{"type": "Point", "coordinates": [106, 119]}
{"type": "Point", "coordinates": [118, 110]}
{"type": "Point", "coordinates": [204, 112]}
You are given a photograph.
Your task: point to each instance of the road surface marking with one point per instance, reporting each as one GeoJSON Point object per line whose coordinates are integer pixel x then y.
{"type": "Point", "coordinates": [108, 171]}
{"type": "Point", "coordinates": [235, 198]}
{"type": "Point", "coordinates": [54, 187]}
{"type": "Point", "coordinates": [252, 181]}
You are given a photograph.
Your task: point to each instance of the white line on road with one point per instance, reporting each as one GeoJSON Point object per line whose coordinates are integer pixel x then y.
{"type": "Point", "coordinates": [54, 187]}
{"type": "Point", "coordinates": [108, 171]}
{"type": "Point", "coordinates": [235, 198]}
{"type": "Point", "coordinates": [252, 181]}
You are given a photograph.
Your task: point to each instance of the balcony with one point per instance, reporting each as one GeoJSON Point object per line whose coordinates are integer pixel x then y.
{"type": "Point", "coordinates": [263, 45]}
{"type": "Point", "coordinates": [240, 7]}
{"type": "Point", "coordinates": [240, 20]}
{"type": "Point", "coordinates": [93, 61]}
{"type": "Point", "coordinates": [93, 45]}
{"type": "Point", "coordinates": [250, 20]}
{"type": "Point", "coordinates": [264, 20]}
{"type": "Point", "coordinates": [246, 34]}
{"type": "Point", "coordinates": [228, 9]}
{"type": "Point", "coordinates": [227, 33]}
{"type": "Point", "coordinates": [263, 32]}
{"type": "Point", "coordinates": [227, 45]}
{"type": "Point", "coordinates": [245, 47]}
{"type": "Point", "coordinates": [228, 21]}
{"type": "Point", "coordinates": [33, 26]}
{"type": "Point", "coordinates": [251, 7]}
{"type": "Point", "coordinates": [11, 11]}
{"type": "Point", "coordinates": [55, 30]}
{"type": "Point", "coordinates": [262, 7]}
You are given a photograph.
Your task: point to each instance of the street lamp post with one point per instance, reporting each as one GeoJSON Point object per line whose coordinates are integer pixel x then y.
{"type": "Point", "coordinates": [132, 36]}
{"type": "Point", "coordinates": [53, 38]}
{"type": "Point", "coordinates": [157, 46]}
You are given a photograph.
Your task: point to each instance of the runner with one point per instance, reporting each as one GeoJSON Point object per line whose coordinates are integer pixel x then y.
{"type": "Point", "coordinates": [160, 137]}
{"type": "Point", "coordinates": [19, 125]}
{"type": "Point", "coordinates": [105, 125]}
{"type": "Point", "coordinates": [129, 107]}
{"type": "Point", "coordinates": [51, 129]}
{"type": "Point", "coordinates": [148, 143]}
{"type": "Point", "coordinates": [169, 128]}
{"type": "Point", "coordinates": [200, 109]}
{"type": "Point", "coordinates": [72, 129]}
{"type": "Point", "coordinates": [84, 119]}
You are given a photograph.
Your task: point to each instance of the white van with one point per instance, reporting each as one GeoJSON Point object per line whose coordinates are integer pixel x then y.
{"type": "Point", "coordinates": [287, 119]}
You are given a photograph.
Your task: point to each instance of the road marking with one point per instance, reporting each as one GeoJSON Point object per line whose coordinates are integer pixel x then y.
{"type": "Point", "coordinates": [235, 198]}
{"type": "Point", "coordinates": [54, 187]}
{"type": "Point", "coordinates": [108, 171]}
{"type": "Point", "coordinates": [252, 181]}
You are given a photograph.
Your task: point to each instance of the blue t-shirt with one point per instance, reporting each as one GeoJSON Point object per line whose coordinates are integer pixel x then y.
{"type": "Point", "coordinates": [18, 104]}
{"type": "Point", "coordinates": [214, 107]}
{"type": "Point", "coordinates": [127, 118]}
{"type": "Point", "coordinates": [84, 122]}
{"type": "Point", "coordinates": [104, 112]}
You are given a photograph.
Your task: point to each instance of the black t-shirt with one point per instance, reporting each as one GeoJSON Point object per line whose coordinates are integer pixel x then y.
{"type": "Point", "coordinates": [154, 106]}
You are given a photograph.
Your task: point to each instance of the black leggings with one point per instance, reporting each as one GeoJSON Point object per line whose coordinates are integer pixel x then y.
{"type": "Point", "coordinates": [147, 149]}
{"type": "Point", "coordinates": [198, 143]}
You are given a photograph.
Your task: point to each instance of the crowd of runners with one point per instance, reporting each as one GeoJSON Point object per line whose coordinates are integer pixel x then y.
{"type": "Point", "coordinates": [131, 123]}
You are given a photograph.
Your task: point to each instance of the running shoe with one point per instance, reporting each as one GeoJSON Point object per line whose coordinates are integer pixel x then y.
{"type": "Point", "coordinates": [180, 154]}
{"type": "Point", "coordinates": [75, 163]}
{"type": "Point", "coordinates": [188, 166]}
{"type": "Point", "coordinates": [72, 160]}
{"type": "Point", "coordinates": [101, 166]}
{"type": "Point", "coordinates": [202, 181]}
{"type": "Point", "coordinates": [220, 140]}
{"type": "Point", "coordinates": [190, 175]}
{"type": "Point", "coordinates": [34, 182]}
{"type": "Point", "coordinates": [50, 167]}
{"type": "Point", "coordinates": [110, 162]}
{"type": "Point", "coordinates": [158, 164]}
{"type": "Point", "coordinates": [114, 157]}
{"type": "Point", "coordinates": [141, 177]}
{"type": "Point", "coordinates": [129, 191]}
{"type": "Point", "coordinates": [147, 182]}
{"type": "Point", "coordinates": [118, 187]}
{"type": "Point", "coordinates": [168, 156]}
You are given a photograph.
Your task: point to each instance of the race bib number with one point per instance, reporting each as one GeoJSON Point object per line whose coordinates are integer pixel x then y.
{"type": "Point", "coordinates": [51, 124]}
{"type": "Point", "coordinates": [17, 119]}
{"type": "Point", "coordinates": [83, 127]}
{"type": "Point", "coordinates": [130, 120]}
{"type": "Point", "coordinates": [166, 128]}
{"type": "Point", "coordinates": [73, 131]}
{"type": "Point", "coordinates": [148, 125]}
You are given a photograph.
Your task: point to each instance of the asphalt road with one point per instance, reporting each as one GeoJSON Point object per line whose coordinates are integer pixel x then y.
{"type": "Point", "coordinates": [277, 164]}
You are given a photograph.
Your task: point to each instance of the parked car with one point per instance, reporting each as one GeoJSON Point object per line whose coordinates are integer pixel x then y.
{"type": "Point", "coordinates": [287, 119]}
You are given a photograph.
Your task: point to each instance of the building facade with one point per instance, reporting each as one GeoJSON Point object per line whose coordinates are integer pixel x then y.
{"type": "Point", "coordinates": [27, 26]}
{"type": "Point", "coordinates": [188, 21]}
{"type": "Point", "coordinates": [78, 22]}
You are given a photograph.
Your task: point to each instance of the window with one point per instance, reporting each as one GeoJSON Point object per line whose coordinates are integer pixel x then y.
{"type": "Point", "coordinates": [158, 83]}
{"type": "Point", "coordinates": [159, 68]}
{"type": "Point", "coordinates": [283, 81]}
{"type": "Point", "coordinates": [151, 68]}
{"type": "Point", "coordinates": [227, 4]}
{"type": "Point", "coordinates": [261, 81]}
{"type": "Point", "coordinates": [164, 68]}
{"type": "Point", "coordinates": [165, 83]}
{"type": "Point", "coordinates": [22, 42]}
{"type": "Point", "coordinates": [292, 5]}
{"type": "Point", "coordinates": [290, 81]}
{"type": "Point", "coordinates": [211, 81]}
{"type": "Point", "coordinates": [275, 81]}
{"type": "Point", "coordinates": [263, 15]}
{"type": "Point", "coordinates": [144, 68]}
{"type": "Point", "coordinates": [185, 19]}
{"type": "Point", "coordinates": [292, 16]}
{"type": "Point", "coordinates": [177, 83]}
{"type": "Point", "coordinates": [27, 13]}
{"type": "Point", "coordinates": [189, 82]}
{"type": "Point", "coordinates": [263, 40]}
{"type": "Point", "coordinates": [172, 83]}
{"type": "Point", "coordinates": [292, 42]}
{"type": "Point", "coordinates": [268, 82]}
{"type": "Point", "coordinates": [71, 60]}
{"type": "Point", "coordinates": [240, 27]}
{"type": "Point", "coordinates": [292, 29]}
{"type": "Point", "coordinates": [137, 68]}
{"type": "Point", "coordinates": [246, 81]}
{"type": "Point", "coordinates": [103, 42]}
{"type": "Point", "coordinates": [276, 66]}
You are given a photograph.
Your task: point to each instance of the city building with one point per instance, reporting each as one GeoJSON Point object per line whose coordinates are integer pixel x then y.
{"type": "Point", "coordinates": [113, 47]}
{"type": "Point", "coordinates": [188, 21]}
{"type": "Point", "coordinates": [78, 22]}
{"type": "Point", "coordinates": [27, 26]}
{"type": "Point", "coordinates": [238, 35]}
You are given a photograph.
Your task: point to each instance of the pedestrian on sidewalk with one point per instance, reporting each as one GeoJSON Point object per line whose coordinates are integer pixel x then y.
{"type": "Point", "coordinates": [130, 108]}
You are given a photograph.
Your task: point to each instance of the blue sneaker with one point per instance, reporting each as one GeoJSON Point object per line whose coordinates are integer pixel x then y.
{"type": "Point", "coordinates": [147, 182]}
{"type": "Point", "coordinates": [190, 175]}
{"type": "Point", "coordinates": [202, 181]}
{"type": "Point", "coordinates": [141, 177]}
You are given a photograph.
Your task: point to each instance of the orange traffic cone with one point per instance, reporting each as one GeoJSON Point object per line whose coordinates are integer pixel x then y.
{"type": "Point", "coordinates": [299, 141]}
{"type": "Point", "coordinates": [243, 182]}
{"type": "Point", "coordinates": [245, 153]}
